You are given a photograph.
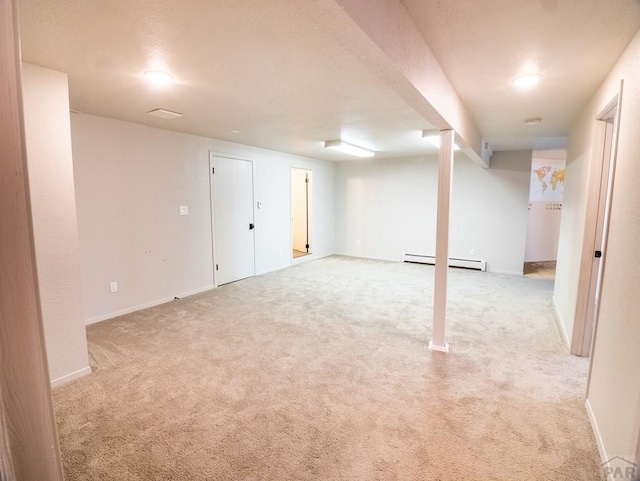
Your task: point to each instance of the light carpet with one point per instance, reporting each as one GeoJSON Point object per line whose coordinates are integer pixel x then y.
{"type": "Point", "coordinates": [322, 372]}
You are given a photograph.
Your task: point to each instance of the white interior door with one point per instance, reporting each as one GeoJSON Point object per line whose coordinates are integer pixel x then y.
{"type": "Point", "coordinates": [234, 239]}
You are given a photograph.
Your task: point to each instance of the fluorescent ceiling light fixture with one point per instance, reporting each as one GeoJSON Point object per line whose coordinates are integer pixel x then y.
{"type": "Point", "coordinates": [341, 146]}
{"type": "Point", "coordinates": [434, 139]}
{"type": "Point", "coordinates": [158, 77]}
{"type": "Point", "coordinates": [527, 81]}
{"type": "Point", "coordinates": [164, 114]}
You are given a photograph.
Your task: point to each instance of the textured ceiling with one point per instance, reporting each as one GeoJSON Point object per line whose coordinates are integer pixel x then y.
{"type": "Point", "coordinates": [263, 68]}
{"type": "Point", "coordinates": [482, 45]}
{"type": "Point", "coordinates": [273, 70]}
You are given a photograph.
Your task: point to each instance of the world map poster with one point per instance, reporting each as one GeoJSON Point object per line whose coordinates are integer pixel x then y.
{"type": "Point", "coordinates": [547, 181]}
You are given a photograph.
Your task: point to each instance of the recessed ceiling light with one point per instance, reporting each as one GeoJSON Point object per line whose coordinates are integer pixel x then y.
{"type": "Point", "coordinates": [158, 77]}
{"type": "Point", "coordinates": [343, 147]}
{"type": "Point", "coordinates": [527, 81]}
{"type": "Point", "coordinates": [434, 139]}
{"type": "Point", "coordinates": [533, 121]}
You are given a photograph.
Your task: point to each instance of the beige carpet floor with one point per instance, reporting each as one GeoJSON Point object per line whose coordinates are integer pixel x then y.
{"type": "Point", "coordinates": [322, 372]}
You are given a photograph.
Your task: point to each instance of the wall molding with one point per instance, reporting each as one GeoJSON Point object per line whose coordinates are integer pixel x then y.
{"type": "Point", "coordinates": [596, 432]}
{"type": "Point", "coordinates": [146, 305]}
{"type": "Point", "coordinates": [67, 378]}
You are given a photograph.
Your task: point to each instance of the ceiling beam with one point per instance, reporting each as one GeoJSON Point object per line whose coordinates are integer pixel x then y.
{"type": "Point", "coordinates": [389, 43]}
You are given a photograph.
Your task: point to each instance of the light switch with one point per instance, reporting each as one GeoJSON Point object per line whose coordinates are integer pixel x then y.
{"type": "Point", "coordinates": [184, 210]}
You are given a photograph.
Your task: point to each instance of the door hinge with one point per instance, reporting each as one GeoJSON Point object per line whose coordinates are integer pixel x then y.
{"type": "Point", "coordinates": [213, 170]}
{"type": "Point", "coordinates": [307, 246]}
{"type": "Point", "coordinates": [597, 254]}
{"type": "Point", "coordinates": [216, 266]}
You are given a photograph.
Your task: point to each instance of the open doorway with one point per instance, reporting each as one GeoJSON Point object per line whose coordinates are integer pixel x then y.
{"type": "Point", "coordinates": [546, 194]}
{"type": "Point", "coordinates": [301, 211]}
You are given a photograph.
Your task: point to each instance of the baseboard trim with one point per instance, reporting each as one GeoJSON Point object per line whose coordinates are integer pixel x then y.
{"type": "Point", "coordinates": [596, 432]}
{"type": "Point", "coordinates": [85, 371]}
{"type": "Point", "coordinates": [560, 325]}
{"type": "Point", "coordinates": [435, 347]}
{"type": "Point", "coordinates": [314, 256]}
{"type": "Point", "coordinates": [147, 305]}
{"type": "Point", "coordinates": [301, 260]}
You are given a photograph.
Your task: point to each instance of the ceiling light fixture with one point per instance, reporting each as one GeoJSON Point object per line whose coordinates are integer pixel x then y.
{"type": "Point", "coordinates": [434, 139]}
{"type": "Point", "coordinates": [346, 148]}
{"type": "Point", "coordinates": [526, 81]}
{"type": "Point", "coordinates": [158, 77]}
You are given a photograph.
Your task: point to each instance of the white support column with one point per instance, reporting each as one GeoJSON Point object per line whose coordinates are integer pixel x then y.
{"type": "Point", "coordinates": [445, 168]}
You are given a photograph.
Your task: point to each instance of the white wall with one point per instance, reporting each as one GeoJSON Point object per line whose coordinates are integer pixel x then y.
{"type": "Point", "coordinates": [614, 390]}
{"type": "Point", "coordinates": [545, 207]}
{"type": "Point", "coordinates": [131, 180]}
{"type": "Point", "coordinates": [489, 210]}
{"type": "Point", "coordinates": [48, 138]}
{"type": "Point", "coordinates": [572, 225]}
{"type": "Point", "coordinates": [386, 208]}
{"type": "Point", "coordinates": [543, 231]}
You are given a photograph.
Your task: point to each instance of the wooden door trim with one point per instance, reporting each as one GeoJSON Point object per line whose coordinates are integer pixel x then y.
{"type": "Point", "coordinates": [29, 438]}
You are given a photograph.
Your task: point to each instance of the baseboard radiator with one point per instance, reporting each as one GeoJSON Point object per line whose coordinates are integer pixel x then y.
{"type": "Point", "coordinates": [453, 262]}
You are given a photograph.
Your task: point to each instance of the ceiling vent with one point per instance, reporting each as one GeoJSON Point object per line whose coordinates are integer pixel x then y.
{"type": "Point", "coordinates": [164, 114]}
{"type": "Point", "coordinates": [533, 121]}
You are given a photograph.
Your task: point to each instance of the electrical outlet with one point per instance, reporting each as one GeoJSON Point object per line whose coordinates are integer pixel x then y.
{"type": "Point", "coordinates": [472, 252]}
{"type": "Point", "coordinates": [114, 286]}
{"type": "Point", "coordinates": [184, 210]}
{"type": "Point", "coordinates": [358, 242]}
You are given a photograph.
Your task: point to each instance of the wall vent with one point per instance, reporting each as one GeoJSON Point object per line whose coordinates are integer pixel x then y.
{"type": "Point", "coordinates": [475, 264]}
